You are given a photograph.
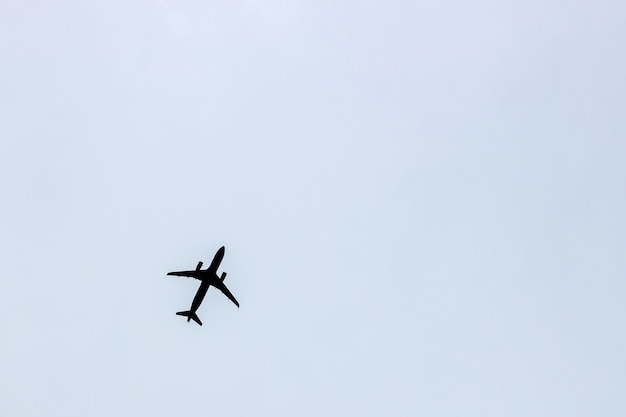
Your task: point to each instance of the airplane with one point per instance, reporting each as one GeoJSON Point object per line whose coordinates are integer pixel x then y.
{"type": "Point", "coordinates": [208, 277]}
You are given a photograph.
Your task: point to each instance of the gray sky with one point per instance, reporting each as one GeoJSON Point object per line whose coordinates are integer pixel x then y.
{"type": "Point", "coordinates": [422, 205]}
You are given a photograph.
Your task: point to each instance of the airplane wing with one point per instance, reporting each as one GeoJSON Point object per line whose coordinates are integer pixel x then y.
{"type": "Point", "coordinates": [188, 274]}
{"type": "Point", "coordinates": [227, 293]}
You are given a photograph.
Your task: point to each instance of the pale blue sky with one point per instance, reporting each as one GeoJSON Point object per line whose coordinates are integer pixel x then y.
{"type": "Point", "coordinates": [422, 205]}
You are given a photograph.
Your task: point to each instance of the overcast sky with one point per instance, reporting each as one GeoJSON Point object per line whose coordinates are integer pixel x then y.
{"type": "Point", "coordinates": [422, 205]}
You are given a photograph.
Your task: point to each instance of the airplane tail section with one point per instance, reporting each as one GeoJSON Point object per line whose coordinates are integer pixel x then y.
{"type": "Point", "coordinates": [190, 316]}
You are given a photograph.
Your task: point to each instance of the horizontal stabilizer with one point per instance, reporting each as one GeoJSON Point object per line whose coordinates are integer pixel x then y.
{"type": "Point", "coordinates": [190, 316]}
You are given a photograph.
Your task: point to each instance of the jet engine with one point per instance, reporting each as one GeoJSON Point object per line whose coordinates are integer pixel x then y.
{"type": "Point", "coordinates": [199, 266]}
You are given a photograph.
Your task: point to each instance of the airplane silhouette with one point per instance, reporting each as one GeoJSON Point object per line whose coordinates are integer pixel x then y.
{"type": "Point", "coordinates": [208, 277]}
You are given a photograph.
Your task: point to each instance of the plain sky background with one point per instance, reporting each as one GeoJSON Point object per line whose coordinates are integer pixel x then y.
{"type": "Point", "coordinates": [422, 205]}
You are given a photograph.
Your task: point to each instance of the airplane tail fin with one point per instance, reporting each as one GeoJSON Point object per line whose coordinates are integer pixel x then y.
{"type": "Point", "coordinates": [190, 316]}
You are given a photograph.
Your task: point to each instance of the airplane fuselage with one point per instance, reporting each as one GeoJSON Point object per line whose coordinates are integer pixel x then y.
{"type": "Point", "coordinates": [202, 290]}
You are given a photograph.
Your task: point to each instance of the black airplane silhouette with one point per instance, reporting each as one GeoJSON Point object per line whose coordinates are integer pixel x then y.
{"type": "Point", "coordinates": [208, 277]}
